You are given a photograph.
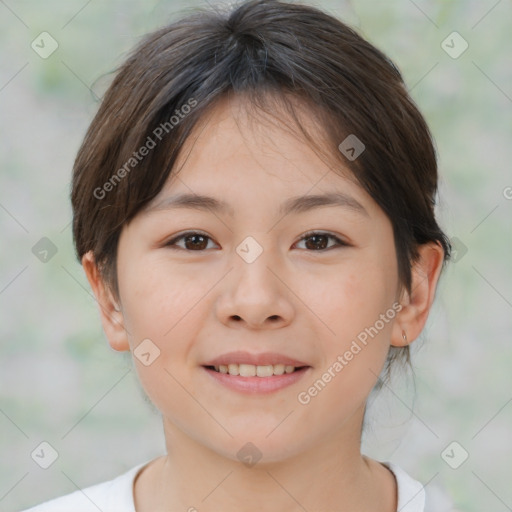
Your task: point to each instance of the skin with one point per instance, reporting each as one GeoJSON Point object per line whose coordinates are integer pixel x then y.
{"type": "Point", "coordinates": [294, 299]}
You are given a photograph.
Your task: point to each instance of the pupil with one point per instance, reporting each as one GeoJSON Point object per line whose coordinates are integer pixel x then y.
{"type": "Point", "coordinates": [195, 244]}
{"type": "Point", "coordinates": [315, 244]}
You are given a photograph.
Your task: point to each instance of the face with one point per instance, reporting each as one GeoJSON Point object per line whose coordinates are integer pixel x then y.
{"type": "Point", "coordinates": [313, 286]}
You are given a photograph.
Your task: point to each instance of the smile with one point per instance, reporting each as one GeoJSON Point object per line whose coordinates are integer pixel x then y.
{"type": "Point", "coordinates": [253, 379]}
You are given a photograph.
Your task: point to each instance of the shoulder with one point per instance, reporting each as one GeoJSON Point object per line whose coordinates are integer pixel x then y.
{"type": "Point", "coordinates": [414, 497]}
{"type": "Point", "coordinates": [115, 495]}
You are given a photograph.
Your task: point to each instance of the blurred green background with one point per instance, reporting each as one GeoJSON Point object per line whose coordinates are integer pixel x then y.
{"type": "Point", "coordinates": [59, 380]}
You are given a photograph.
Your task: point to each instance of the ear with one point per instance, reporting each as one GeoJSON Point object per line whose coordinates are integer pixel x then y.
{"type": "Point", "coordinates": [416, 305]}
{"type": "Point", "coordinates": [111, 314]}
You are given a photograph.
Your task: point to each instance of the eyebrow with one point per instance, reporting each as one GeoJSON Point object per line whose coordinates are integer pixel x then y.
{"type": "Point", "coordinates": [299, 204]}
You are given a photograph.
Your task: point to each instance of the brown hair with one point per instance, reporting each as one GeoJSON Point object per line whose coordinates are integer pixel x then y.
{"type": "Point", "coordinates": [260, 49]}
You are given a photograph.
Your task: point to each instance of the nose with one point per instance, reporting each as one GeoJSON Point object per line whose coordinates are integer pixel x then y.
{"type": "Point", "coordinates": [255, 295]}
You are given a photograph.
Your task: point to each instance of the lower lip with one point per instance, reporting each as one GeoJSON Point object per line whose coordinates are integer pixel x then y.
{"type": "Point", "coordinates": [258, 384]}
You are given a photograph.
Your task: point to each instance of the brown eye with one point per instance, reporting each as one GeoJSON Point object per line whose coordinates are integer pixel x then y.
{"type": "Point", "coordinates": [318, 241]}
{"type": "Point", "coordinates": [193, 241]}
{"type": "Point", "coordinates": [197, 242]}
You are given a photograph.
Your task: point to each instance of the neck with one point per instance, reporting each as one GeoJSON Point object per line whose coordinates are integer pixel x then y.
{"type": "Point", "coordinates": [192, 476]}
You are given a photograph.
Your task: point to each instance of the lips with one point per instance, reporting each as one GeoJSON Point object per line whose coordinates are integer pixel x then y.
{"type": "Point", "coordinates": [261, 383]}
{"type": "Point", "coordinates": [246, 372]}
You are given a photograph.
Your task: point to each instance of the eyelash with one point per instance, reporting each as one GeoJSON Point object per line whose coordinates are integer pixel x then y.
{"type": "Point", "coordinates": [340, 243]}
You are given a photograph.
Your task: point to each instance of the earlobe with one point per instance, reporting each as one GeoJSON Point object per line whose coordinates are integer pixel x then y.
{"type": "Point", "coordinates": [416, 305]}
{"type": "Point", "coordinates": [111, 314]}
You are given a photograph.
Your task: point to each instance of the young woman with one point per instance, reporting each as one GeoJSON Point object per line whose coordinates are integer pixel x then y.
{"type": "Point", "coordinates": [254, 210]}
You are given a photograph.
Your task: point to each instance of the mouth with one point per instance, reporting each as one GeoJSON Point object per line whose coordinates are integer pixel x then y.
{"type": "Point", "coordinates": [255, 379]}
{"type": "Point", "coordinates": [248, 372]}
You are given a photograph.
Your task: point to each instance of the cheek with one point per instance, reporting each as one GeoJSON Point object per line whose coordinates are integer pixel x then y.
{"type": "Point", "coordinates": [354, 345]}
{"type": "Point", "coordinates": [351, 299]}
{"type": "Point", "coordinates": [157, 298]}
{"type": "Point", "coordinates": [160, 304]}
{"type": "Point", "coordinates": [355, 305]}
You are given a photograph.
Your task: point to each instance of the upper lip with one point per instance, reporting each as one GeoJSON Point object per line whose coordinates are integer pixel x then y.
{"type": "Point", "coordinates": [261, 359]}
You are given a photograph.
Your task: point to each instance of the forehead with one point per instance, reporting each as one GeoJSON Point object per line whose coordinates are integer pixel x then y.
{"type": "Point", "coordinates": [235, 129]}
{"type": "Point", "coordinates": [237, 152]}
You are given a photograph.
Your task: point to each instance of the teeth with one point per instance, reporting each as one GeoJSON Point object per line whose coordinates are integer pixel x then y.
{"type": "Point", "coordinates": [246, 370]}
{"type": "Point", "coordinates": [279, 369]}
{"type": "Point", "coordinates": [250, 370]}
{"type": "Point", "coordinates": [233, 369]}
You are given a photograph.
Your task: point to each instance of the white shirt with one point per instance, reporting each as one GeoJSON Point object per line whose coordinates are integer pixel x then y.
{"type": "Point", "coordinates": [117, 495]}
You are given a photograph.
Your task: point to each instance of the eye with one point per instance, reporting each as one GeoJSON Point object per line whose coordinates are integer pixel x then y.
{"type": "Point", "coordinates": [193, 241]}
{"type": "Point", "coordinates": [318, 241]}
